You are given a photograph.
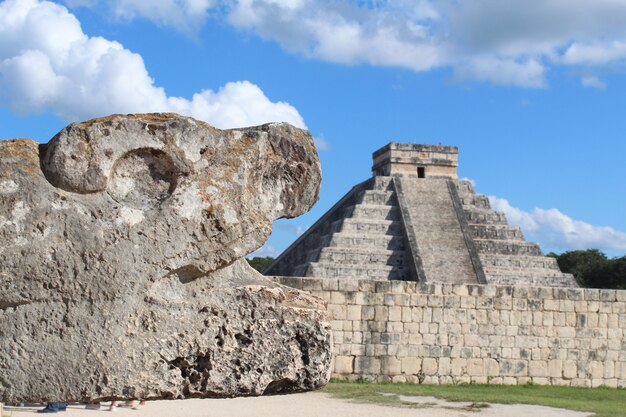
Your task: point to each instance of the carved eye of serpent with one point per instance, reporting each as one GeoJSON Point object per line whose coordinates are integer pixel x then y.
{"type": "Point", "coordinates": [143, 178]}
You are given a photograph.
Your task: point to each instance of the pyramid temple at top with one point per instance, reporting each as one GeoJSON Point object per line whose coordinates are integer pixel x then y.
{"type": "Point", "coordinates": [415, 220]}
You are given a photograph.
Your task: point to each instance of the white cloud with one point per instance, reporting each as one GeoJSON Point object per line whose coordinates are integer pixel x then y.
{"type": "Point", "coordinates": [321, 143]}
{"type": "Point", "coordinates": [592, 81]}
{"type": "Point", "coordinates": [529, 73]}
{"type": "Point", "coordinates": [500, 41]}
{"type": "Point", "coordinates": [264, 251]}
{"type": "Point", "coordinates": [186, 15]}
{"type": "Point", "coordinates": [552, 227]}
{"type": "Point", "coordinates": [48, 63]}
{"type": "Point", "coordinates": [290, 228]}
{"type": "Point", "coordinates": [342, 32]}
{"type": "Point", "coordinates": [597, 53]}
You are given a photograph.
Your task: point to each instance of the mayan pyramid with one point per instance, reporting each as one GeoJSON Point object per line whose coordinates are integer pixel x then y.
{"type": "Point", "coordinates": [415, 220]}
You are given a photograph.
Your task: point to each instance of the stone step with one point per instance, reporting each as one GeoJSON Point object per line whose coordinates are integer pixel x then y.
{"type": "Point", "coordinates": [564, 280]}
{"type": "Point", "coordinates": [496, 231]}
{"type": "Point", "coordinates": [372, 211]}
{"type": "Point", "coordinates": [382, 183]}
{"type": "Point", "coordinates": [530, 272]}
{"type": "Point", "coordinates": [518, 262]}
{"type": "Point", "coordinates": [361, 240]}
{"type": "Point", "coordinates": [477, 215]}
{"type": "Point", "coordinates": [355, 255]}
{"type": "Point", "coordinates": [464, 187]}
{"type": "Point", "coordinates": [357, 225]}
{"type": "Point", "coordinates": [377, 197]}
{"type": "Point", "coordinates": [475, 200]}
{"type": "Point", "coordinates": [507, 247]}
{"type": "Point", "coordinates": [333, 270]}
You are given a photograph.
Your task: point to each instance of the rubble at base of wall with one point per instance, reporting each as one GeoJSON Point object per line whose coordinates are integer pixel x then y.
{"type": "Point", "coordinates": [398, 331]}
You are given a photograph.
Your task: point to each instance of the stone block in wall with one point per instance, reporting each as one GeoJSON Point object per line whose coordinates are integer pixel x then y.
{"type": "Point", "coordinates": [407, 314]}
{"type": "Point", "coordinates": [344, 365]}
{"type": "Point", "coordinates": [437, 316]}
{"type": "Point", "coordinates": [389, 300]}
{"type": "Point", "coordinates": [398, 287]}
{"type": "Point", "coordinates": [367, 286]}
{"type": "Point", "coordinates": [457, 366]}
{"type": "Point", "coordinates": [460, 290]}
{"type": "Point", "coordinates": [541, 381]}
{"type": "Point", "coordinates": [330, 284]}
{"type": "Point", "coordinates": [395, 327]}
{"type": "Point", "coordinates": [395, 314]}
{"type": "Point", "coordinates": [608, 295]}
{"type": "Point", "coordinates": [353, 312]}
{"type": "Point", "coordinates": [538, 369]}
{"type": "Point", "coordinates": [479, 380]}
{"type": "Point", "coordinates": [503, 303]}
{"type": "Point", "coordinates": [367, 366]}
{"type": "Point", "coordinates": [475, 367]}
{"type": "Point", "coordinates": [570, 369]}
{"type": "Point", "coordinates": [581, 383]}
{"type": "Point", "coordinates": [338, 312]}
{"type": "Point", "coordinates": [491, 367]}
{"type": "Point", "coordinates": [429, 366]}
{"type": "Point", "coordinates": [415, 339]}
{"type": "Point", "coordinates": [383, 287]}
{"type": "Point", "coordinates": [444, 366]}
{"type": "Point", "coordinates": [596, 370]}
{"type": "Point", "coordinates": [514, 367]}
{"type": "Point", "coordinates": [357, 350]}
{"type": "Point", "coordinates": [337, 326]}
{"type": "Point", "coordinates": [468, 302]}
{"type": "Point", "coordinates": [337, 297]}
{"type": "Point", "coordinates": [367, 313]}
{"type": "Point", "coordinates": [375, 299]}
{"type": "Point", "coordinates": [435, 301]}
{"type": "Point", "coordinates": [402, 300]}
{"type": "Point", "coordinates": [382, 313]}
{"type": "Point", "coordinates": [419, 300]}
{"type": "Point", "coordinates": [592, 294]}
{"type": "Point", "coordinates": [348, 285]}
{"type": "Point", "coordinates": [312, 284]}
{"type": "Point", "coordinates": [391, 365]}
{"type": "Point", "coordinates": [360, 298]}
{"type": "Point", "coordinates": [550, 305]}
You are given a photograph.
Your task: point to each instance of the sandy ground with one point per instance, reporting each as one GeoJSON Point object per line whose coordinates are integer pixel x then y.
{"type": "Point", "coordinates": [312, 404]}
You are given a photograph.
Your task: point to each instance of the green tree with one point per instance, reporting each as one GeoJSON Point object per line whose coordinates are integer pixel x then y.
{"type": "Point", "coordinates": [260, 263]}
{"type": "Point", "coordinates": [593, 269]}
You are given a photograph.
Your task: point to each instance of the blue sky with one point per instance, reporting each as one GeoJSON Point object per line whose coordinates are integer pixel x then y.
{"type": "Point", "coordinates": [533, 93]}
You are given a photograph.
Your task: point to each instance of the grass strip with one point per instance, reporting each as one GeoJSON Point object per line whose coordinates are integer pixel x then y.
{"type": "Point", "coordinates": [604, 402]}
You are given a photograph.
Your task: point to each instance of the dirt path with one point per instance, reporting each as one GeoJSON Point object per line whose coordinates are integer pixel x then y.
{"type": "Point", "coordinates": [313, 404]}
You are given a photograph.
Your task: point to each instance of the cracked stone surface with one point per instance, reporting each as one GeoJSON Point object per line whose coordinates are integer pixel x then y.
{"type": "Point", "coordinates": [121, 270]}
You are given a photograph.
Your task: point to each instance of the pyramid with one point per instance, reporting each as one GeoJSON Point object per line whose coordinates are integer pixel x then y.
{"type": "Point", "coordinates": [414, 220]}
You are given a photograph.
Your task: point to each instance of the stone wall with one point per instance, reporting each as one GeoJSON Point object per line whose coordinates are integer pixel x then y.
{"type": "Point", "coordinates": [446, 334]}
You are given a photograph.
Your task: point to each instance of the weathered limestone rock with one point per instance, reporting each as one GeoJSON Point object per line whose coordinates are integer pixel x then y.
{"type": "Point", "coordinates": [120, 262]}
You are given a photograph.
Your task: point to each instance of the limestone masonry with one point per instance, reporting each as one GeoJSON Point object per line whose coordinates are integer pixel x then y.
{"type": "Point", "coordinates": [121, 270]}
{"type": "Point", "coordinates": [466, 333]}
{"type": "Point", "coordinates": [415, 221]}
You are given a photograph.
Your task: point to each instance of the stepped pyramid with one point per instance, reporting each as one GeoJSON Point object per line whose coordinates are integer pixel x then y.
{"type": "Point", "coordinates": [415, 220]}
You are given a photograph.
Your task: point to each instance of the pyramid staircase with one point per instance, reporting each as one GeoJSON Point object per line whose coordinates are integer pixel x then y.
{"type": "Point", "coordinates": [365, 241]}
{"type": "Point", "coordinates": [370, 234]}
{"type": "Point", "coordinates": [506, 257]}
